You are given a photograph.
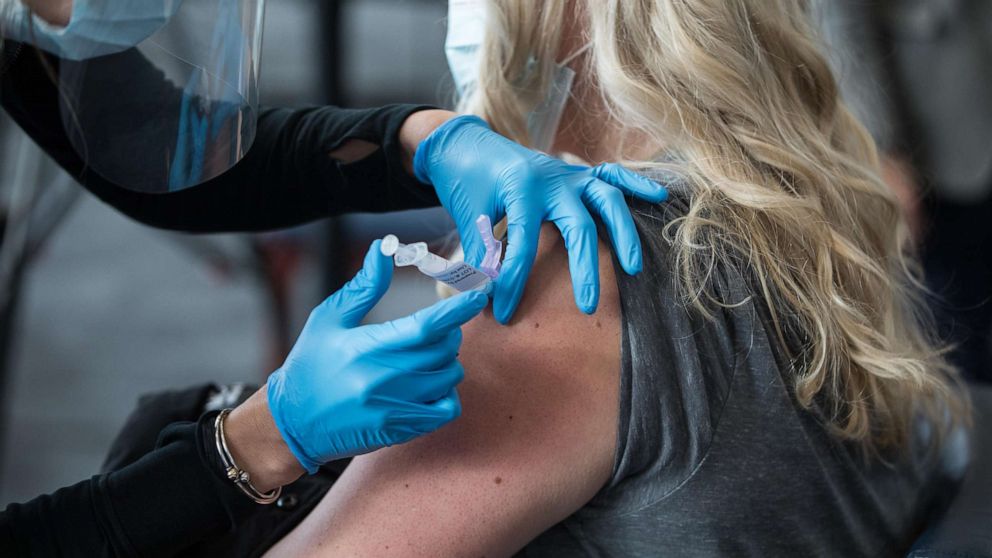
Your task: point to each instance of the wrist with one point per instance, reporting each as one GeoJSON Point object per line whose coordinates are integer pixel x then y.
{"type": "Point", "coordinates": [415, 130]}
{"type": "Point", "coordinates": [258, 447]}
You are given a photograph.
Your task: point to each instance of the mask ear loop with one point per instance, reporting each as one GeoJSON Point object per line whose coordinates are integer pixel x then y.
{"type": "Point", "coordinates": [531, 62]}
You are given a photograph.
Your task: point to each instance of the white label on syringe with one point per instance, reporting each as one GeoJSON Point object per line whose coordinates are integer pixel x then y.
{"type": "Point", "coordinates": [462, 277]}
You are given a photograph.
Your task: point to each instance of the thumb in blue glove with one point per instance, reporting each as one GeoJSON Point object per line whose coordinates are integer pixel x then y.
{"type": "Point", "coordinates": [476, 171]}
{"type": "Point", "coordinates": [347, 389]}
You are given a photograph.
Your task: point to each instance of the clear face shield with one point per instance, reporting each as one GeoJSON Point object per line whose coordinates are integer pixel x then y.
{"type": "Point", "coordinates": [178, 109]}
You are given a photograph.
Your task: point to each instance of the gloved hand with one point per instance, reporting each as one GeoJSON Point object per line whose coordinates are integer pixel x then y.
{"type": "Point", "coordinates": [95, 28]}
{"type": "Point", "coordinates": [347, 389]}
{"type": "Point", "coordinates": [477, 171]}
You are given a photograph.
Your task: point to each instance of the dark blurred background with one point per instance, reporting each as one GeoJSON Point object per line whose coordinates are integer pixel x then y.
{"type": "Point", "coordinates": [97, 309]}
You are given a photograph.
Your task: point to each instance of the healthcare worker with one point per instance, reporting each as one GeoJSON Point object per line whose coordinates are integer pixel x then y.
{"type": "Point", "coordinates": [344, 390]}
{"type": "Point", "coordinates": [170, 133]}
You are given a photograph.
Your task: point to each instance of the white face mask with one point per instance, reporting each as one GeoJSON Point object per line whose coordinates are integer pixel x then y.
{"type": "Point", "coordinates": [466, 27]}
{"type": "Point", "coordinates": [463, 47]}
{"type": "Point", "coordinates": [96, 27]}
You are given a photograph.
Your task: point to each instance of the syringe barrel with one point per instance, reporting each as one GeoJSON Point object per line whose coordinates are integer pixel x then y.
{"type": "Point", "coordinates": [458, 275]}
{"type": "Point", "coordinates": [432, 264]}
{"type": "Point", "coordinates": [414, 254]}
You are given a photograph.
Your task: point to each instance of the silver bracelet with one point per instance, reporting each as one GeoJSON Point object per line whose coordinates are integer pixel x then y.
{"type": "Point", "coordinates": [239, 476]}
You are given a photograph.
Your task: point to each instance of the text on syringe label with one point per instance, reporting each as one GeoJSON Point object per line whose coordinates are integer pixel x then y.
{"type": "Point", "coordinates": [462, 276]}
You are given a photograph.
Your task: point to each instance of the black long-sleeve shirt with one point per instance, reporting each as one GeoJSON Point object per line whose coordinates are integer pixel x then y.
{"type": "Point", "coordinates": [171, 498]}
{"type": "Point", "coordinates": [286, 178]}
{"type": "Point", "coordinates": [176, 495]}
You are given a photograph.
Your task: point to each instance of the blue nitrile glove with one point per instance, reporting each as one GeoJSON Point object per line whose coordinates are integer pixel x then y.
{"type": "Point", "coordinates": [347, 389]}
{"type": "Point", "coordinates": [476, 171]}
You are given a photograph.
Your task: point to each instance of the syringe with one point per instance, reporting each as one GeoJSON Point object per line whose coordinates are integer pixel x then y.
{"type": "Point", "coordinates": [458, 275]}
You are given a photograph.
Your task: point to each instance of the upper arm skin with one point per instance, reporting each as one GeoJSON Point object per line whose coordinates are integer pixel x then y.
{"type": "Point", "coordinates": [535, 442]}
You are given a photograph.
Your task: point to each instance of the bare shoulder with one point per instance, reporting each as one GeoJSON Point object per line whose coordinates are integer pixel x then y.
{"type": "Point", "coordinates": [552, 364]}
{"type": "Point", "coordinates": [546, 385]}
{"type": "Point", "coordinates": [548, 318]}
{"type": "Point", "coordinates": [535, 442]}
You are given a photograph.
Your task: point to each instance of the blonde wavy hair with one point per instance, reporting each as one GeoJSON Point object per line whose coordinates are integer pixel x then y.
{"type": "Point", "coordinates": [784, 180]}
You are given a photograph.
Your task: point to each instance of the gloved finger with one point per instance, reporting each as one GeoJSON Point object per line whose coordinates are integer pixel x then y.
{"type": "Point", "coordinates": [609, 203]}
{"type": "Point", "coordinates": [579, 232]}
{"type": "Point", "coordinates": [433, 356]}
{"type": "Point", "coordinates": [523, 233]}
{"type": "Point", "coordinates": [421, 386]}
{"type": "Point", "coordinates": [472, 244]}
{"type": "Point", "coordinates": [353, 301]}
{"type": "Point", "coordinates": [430, 324]}
{"type": "Point", "coordinates": [630, 182]}
{"type": "Point", "coordinates": [447, 408]}
{"type": "Point", "coordinates": [409, 420]}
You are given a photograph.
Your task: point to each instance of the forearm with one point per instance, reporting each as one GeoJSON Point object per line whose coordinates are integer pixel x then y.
{"type": "Point", "coordinates": [416, 128]}
{"type": "Point", "coordinates": [58, 524]}
{"type": "Point", "coordinates": [258, 447]}
{"type": "Point", "coordinates": [157, 506]}
{"type": "Point", "coordinates": [288, 177]}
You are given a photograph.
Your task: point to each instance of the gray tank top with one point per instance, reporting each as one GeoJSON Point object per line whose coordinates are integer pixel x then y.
{"type": "Point", "coordinates": [714, 456]}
